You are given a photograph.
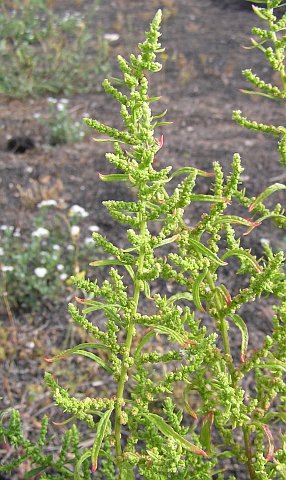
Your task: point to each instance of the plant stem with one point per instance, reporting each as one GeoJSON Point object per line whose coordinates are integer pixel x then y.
{"type": "Point", "coordinates": [223, 326]}
{"type": "Point", "coordinates": [248, 453]}
{"type": "Point", "coordinates": [130, 333]}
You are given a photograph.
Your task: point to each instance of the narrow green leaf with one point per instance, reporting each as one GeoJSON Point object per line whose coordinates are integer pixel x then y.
{"type": "Point", "coordinates": [259, 12]}
{"type": "Point", "coordinates": [243, 254]}
{"type": "Point", "coordinates": [267, 192]}
{"type": "Point", "coordinates": [71, 351]}
{"type": "Point", "coordinates": [115, 177]}
{"type": "Point", "coordinates": [179, 296]}
{"type": "Point", "coordinates": [32, 473]}
{"type": "Point", "coordinates": [168, 431]}
{"type": "Point", "coordinates": [200, 248]}
{"type": "Point", "coordinates": [237, 220]}
{"type": "Point", "coordinates": [166, 241]}
{"type": "Point", "coordinates": [180, 171]}
{"type": "Point", "coordinates": [205, 433]}
{"type": "Point", "coordinates": [77, 471]}
{"type": "Point", "coordinates": [196, 291]}
{"type": "Point", "coordinates": [239, 322]}
{"type": "Point", "coordinates": [208, 198]}
{"type": "Point", "coordinates": [143, 341]}
{"type": "Point", "coordinates": [186, 403]}
{"type": "Point", "coordinates": [100, 434]}
{"type": "Point", "coordinates": [175, 335]}
{"type": "Point", "coordinates": [262, 94]}
{"type": "Point", "coordinates": [95, 358]}
{"type": "Point", "coordinates": [160, 114]}
{"type": "Point", "coordinates": [103, 263]}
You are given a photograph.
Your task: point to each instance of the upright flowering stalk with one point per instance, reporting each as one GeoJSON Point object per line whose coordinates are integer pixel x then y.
{"type": "Point", "coordinates": [181, 408]}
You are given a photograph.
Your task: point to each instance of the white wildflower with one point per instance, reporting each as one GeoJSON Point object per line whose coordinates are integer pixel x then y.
{"type": "Point", "coordinates": [7, 268]}
{"type": "Point", "coordinates": [40, 272]}
{"type": "Point", "coordinates": [36, 115]}
{"type": "Point", "coordinates": [88, 241]}
{"type": "Point", "coordinates": [264, 240]}
{"type": "Point", "coordinates": [60, 267]}
{"type": "Point", "coordinates": [47, 203]}
{"type": "Point", "coordinates": [17, 232]}
{"type": "Point", "coordinates": [75, 231]}
{"type": "Point", "coordinates": [1, 251]}
{"type": "Point", "coordinates": [64, 100]}
{"type": "Point", "coordinates": [6, 227]}
{"type": "Point", "coordinates": [63, 276]}
{"type": "Point", "coordinates": [76, 210]}
{"type": "Point", "coordinates": [61, 107]}
{"type": "Point", "coordinates": [94, 228]}
{"type": "Point", "coordinates": [111, 37]}
{"type": "Point", "coordinates": [70, 248]}
{"type": "Point", "coordinates": [52, 100]}
{"type": "Point", "coordinates": [56, 247]}
{"type": "Point", "coordinates": [41, 232]}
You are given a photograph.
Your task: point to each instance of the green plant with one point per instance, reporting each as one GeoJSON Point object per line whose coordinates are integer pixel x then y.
{"type": "Point", "coordinates": [43, 51]}
{"type": "Point", "coordinates": [35, 265]}
{"type": "Point", "coordinates": [166, 440]}
{"type": "Point", "coordinates": [61, 127]}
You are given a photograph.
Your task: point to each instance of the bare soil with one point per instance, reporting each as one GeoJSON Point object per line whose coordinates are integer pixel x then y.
{"type": "Point", "coordinates": [200, 86]}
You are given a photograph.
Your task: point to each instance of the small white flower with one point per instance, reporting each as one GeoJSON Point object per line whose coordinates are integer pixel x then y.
{"type": "Point", "coordinates": [264, 240]}
{"type": "Point", "coordinates": [47, 203]}
{"type": "Point", "coordinates": [63, 276]}
{"type": "Point", "coordinates": [7, 268]}
{"type": "Point", "coordinates": [79, 211]}
{"type": "Point", "coordinates": [111, 37]}
{"type": "Point", "coordinates": [70, 248]}
{"type": "Point", "coordinates": [75, 231]}
{"type": "Point", "coordinates": [40, 272]}
{"type": "Point", "coordinates": [41, 232]}
{"type": "Point", "coordinates": [85, 115]}
{"type": "Point", "coordinates": [6, 227]}
{"type": "Point", "coordinates": [88, 241]}
{"type": "Point", "coordinates": [52, 100]}
{"type": "Point", "coordinates": [1, 251]}
{"type": "Point", "coordinates": [94, 228]}
{"type": "Point", "coordinates": [64, 100]}
{"type": "Point", "coordinates": [56, 248]}
{"type": "Point", "coordinates": [36, 115]}
{"type": "Point", "coordinates": [61, 107]}
{"type": "Point", "coordinates": [17, 232]}
{"type": "Point", "coordinates": [60, 267]}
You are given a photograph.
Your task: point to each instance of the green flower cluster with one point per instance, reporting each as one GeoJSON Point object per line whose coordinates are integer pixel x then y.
{"type": "Point", "coordinates": [152, 343]}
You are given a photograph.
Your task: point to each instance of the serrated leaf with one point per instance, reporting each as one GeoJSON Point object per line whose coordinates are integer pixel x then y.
{"type": "Point", "coordinates": [243, 254]}
{"type": "Point", "coordinates": [168, 431]}
{"type": "Point", "coordinates": [100, 434]}
{"type": "Point", "coordinates": [239, 322]}
{"type": "Point", "coordinates": [267, 192]}
{"type": "Point", "coordinates": [196, 291]}
{"type": "Point", "coordinates": [200, 248]}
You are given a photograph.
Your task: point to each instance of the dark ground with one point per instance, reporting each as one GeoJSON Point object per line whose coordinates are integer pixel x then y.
{"type": "Point", "coordinates": [199, 85]}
